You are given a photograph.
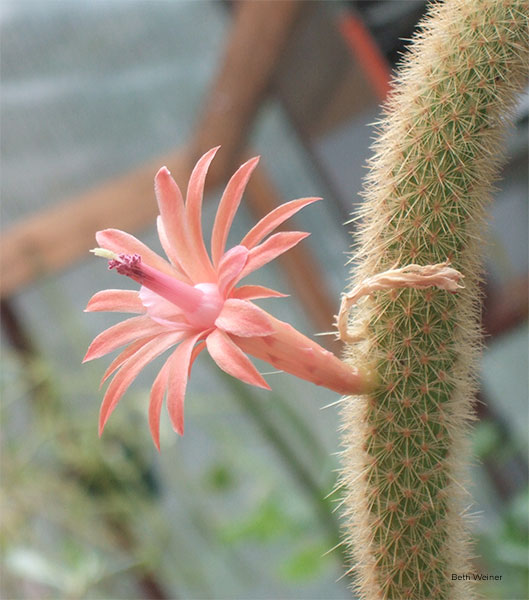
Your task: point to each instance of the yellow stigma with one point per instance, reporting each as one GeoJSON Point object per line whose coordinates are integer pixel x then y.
{"type": "Point", "coordinates": [104, 253]}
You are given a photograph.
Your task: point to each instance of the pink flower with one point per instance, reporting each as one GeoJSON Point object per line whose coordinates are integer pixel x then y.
{"type": "Point", "coordinates": [192, 301]}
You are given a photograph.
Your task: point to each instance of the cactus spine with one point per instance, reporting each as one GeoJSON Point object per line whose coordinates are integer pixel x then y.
{"type": "Point", "coordinates": [426, 194]}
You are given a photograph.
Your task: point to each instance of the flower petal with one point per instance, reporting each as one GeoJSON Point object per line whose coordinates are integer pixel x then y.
{"type": "Point", "coordinates": [252, 292]}
{"type": "Point", "coordinates": [230, 265]}
{"type": "Point", "coordinates": [243, 318]}
{"type": "Point", "coordinates": [130, 370]}
{"type": "Point", "coordinates": [232, 360]}
{"type": "Point", "coordinates": [162, 236]}
{"type": "Point", "coordinates": [124, 243]}
{"type": "Point", "coordinates": [115, 301]}
{"type": "Point", "coordinates": [123, 356]}
{"type": "Point", "coordinates": [171, 205]}
{"type": "Point", "coordinates": [162, 310]}
{"type": "Point", "coordinates": [228, 207]}
{"type": "Point", "coordinates": [158, 391]}
{"type": "Point", "coordinates": [270, 249]}
{"type": "Point", "coordinates": [121, 334]}
{"type": "Point", "coordinates": [273, 219]}
{"type": "Point", "coordinates": [195, 193]}
{"type": "Point", "coordinates": [181, 361]}
{"type": "Point", "coordinates": [196, 351]}
{"type": "Point", "coordinates": [155, 403]}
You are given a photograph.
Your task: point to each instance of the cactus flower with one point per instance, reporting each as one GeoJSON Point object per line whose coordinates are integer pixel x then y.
{"type": "Point", "coordinates": [193, 301]}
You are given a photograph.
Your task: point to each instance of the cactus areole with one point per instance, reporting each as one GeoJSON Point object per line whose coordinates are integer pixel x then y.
{"type": "Point", "coordinates": [425, 199]}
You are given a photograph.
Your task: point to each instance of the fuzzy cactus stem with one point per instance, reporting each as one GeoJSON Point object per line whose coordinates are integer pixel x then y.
{"type": "Point", "coordinates": [428, 187]}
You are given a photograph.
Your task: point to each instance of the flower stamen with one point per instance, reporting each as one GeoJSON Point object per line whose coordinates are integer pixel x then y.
{"type": "Point", "coordinates": [183, 295]}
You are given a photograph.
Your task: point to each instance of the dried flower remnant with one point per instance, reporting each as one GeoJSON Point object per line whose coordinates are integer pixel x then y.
{"type": "Point", "coordinates": [192, 301]}
{"type": "Point", "coordinates": [417, 277]}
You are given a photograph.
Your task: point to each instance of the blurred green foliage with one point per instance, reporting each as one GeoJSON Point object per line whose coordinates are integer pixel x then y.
{"type": "Point", "coordinates": [503, 546]}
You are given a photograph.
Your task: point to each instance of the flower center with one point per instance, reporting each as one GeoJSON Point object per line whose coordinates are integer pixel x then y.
{"type": "Point", "coordinates": [201, 303]}
{"type": "Point", "coordinates": [208, 308]}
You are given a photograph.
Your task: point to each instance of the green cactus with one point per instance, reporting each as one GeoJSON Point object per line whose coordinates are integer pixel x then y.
{"type": "Point", "coordinates": [426, 195]}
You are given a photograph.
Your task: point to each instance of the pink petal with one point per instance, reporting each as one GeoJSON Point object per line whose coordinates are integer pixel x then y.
{"type": "Point", "coordinates": [162, 236]}
{"type": "Point", "coordinates": [162, 310]}
{"type": "Point", "coordinates": [123, 356]}
{"type": "Point", "coordinates": [179, 372]}
{"type": "Point", "coordinates": [228, 207]}
{"type": "Point", "coordinates": [274, 246]}
{"type": "Point", "coordinates": [115, 301]}
{"type": "Point", "coordinates": [243, 318]}
{"type": "Point", "coordinates": [291, 351]}
{"type": "Point", "coordinates": [231, 359]}
{"type": "Point", "coordinates": [158, 391]}
{"type": "Point", "coordinates": [273, 219]}
{"type": "Point", "coordinates": [195, 193]}
{"type": "Point", "coordinates": [130, 370]}
{"type": "Point", "coordinates": [155, 403]}
{"type": "Point", "coordinates": [252, 292]}
{"type": "Point", "coordinates": [171, 205]}
{"type": "Point", "coordinates": [196, 351]}
{"type": "Point", "coordinates": [230, 265]}
{"type": "Point", "coordinates": [124, 243]}
{"type": "Point", "coordinates": [121, 334]}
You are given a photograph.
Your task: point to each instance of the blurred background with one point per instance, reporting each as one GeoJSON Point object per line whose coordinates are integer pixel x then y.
{"type": "Point", "coordinates": [95, 97]}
